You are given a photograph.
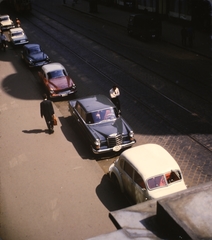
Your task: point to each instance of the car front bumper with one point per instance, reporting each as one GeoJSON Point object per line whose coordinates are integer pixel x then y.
{"type": "Point", "coordinates": [113, 149]}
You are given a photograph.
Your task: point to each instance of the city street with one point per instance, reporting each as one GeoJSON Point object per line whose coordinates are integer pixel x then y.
{"type": "Point", "coordinates": [51, 186]}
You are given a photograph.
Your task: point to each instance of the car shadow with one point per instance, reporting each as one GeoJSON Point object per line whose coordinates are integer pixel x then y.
{"type": "Point", "coordinates": [73, 135]}
{"type": "Point", "coordinates": [112, 198]}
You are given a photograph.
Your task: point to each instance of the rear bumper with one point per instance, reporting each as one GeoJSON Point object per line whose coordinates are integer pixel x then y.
{"type": "Point", "coordinates": [63, 94]}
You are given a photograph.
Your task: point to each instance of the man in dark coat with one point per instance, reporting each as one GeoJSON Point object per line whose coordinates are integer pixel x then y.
{"type": "Point", "coordinates": [47, 110]}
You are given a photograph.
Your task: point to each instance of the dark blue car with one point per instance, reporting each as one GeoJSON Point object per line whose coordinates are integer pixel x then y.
{"type": "Point", "coordinates": [34, 56]}
{"type": "Point", "coordinates": [101, 125]}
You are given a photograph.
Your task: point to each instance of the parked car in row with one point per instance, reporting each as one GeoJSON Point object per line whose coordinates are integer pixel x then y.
{"type": "Point", "coordinates": [101, 125]}
{"type": "Point", "coordinates": [56, 80]}
{"type": "Point", "coordinates": [17, 36]}
{"type": "Point", "coordinates": [6, 23]}
{"type": "Point", "coordinates": [33, 55]}
{"type": "Point", "coordinates": [147, 172]}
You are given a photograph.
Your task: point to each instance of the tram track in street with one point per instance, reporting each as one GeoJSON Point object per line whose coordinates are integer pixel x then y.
{"type": "Point", "coordinates": [56, 26]}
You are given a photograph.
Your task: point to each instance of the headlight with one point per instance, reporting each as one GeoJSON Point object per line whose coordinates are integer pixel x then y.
{"type": "Point", "coordinates": [51, 91]}
{"type": "Point", "coordinates": [131, 134]}
{"type": "Point", "coordinates": [97, 144]}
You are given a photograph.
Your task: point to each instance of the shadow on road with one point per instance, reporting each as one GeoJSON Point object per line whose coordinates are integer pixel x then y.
{"type": "Point", "coordinates": [110, 197]}
{"type": "Point", "coordinates": [35, 131]}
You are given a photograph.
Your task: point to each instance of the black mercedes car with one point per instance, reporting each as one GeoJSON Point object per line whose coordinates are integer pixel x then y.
{"type": "Point", "coordinates": [104, 129]}
{"type": "Point", "coordinates": [34, 56]}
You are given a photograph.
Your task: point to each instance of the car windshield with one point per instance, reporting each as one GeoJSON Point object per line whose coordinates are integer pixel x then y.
{"type": "Point", "coordinates": [101, 115]}
{"type": "Point", "coordinates": [17, 34]}
{"type": "Point", "coordinates": [5, 18]}
{"type": "Point", "coordinates": [35, 49]}
{"type": "Point", "coordinates": [164, 180]}
{"type": "Point", "coordinates": [56, 74]}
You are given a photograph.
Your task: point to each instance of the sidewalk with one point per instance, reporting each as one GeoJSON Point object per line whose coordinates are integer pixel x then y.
{"type": "Point", "coordinates": [171, 32]}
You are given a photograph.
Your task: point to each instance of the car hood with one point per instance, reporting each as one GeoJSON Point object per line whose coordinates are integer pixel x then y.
{"type": "Point", "coordinates": [164, 191]}
{"type": "Point", "coordinates": [38, 56]}
{"type": "Point", "coordinates": [61, 83]}
{"type": "Point", "coordinates": [105, 129]}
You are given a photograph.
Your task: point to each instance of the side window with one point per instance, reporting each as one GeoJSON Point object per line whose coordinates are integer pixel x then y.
{"type": "Point", "coordinates": [83, 114]}
{"type": "Point", "coordinates": [78, 108]}
{"type": "Point", "coordinates": [128, 169]}
{"type": "Point", "coordinates": [139, 180]}
{"type": "Point", "coordinates": [89, 118]}
{"type": "Point", "coordinates": [173, 176]}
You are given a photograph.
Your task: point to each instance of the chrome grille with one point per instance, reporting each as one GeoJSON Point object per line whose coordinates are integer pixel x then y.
{"type": "Point", "coordinates": [114, 140]}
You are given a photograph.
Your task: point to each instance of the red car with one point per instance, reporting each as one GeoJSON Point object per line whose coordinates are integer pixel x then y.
{"type": "Point", "coordinates": [56, 80]}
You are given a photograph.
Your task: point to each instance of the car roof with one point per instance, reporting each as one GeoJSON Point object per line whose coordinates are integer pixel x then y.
{"type": "Point", "coordinates": [30, 45]}
{"type": "Point", "coordinates": [95, 103]}
{"type": "Point", "coordinates": [52, 67]}
{"type": "Point", "coordinates": [13, 30]}
{"type": "Point", "coordinates": [150, 160]}
{"type": "Point", "coordinates": [4, 16]}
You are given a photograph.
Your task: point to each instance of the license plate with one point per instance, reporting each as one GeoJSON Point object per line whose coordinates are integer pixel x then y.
{"type": "Point", "coordinates": [117, 148]}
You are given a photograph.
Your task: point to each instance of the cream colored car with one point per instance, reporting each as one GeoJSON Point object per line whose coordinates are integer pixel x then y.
{"type": "Point", "coordinates": [5, 22]}
{"type": "Point", "coordinates": [147, 172]}
{"type": "Point", "coordinates": [17, 36]}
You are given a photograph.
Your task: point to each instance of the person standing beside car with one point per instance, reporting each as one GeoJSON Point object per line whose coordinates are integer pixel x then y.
{"type": "Point", "coordinates": [3, 40]}
{"type": "Point", "coordinates": [18, 22]}
{"type": "Point", "coordinates": [114, 96]}
{"type": "Point", "coordinates": [47, 110]}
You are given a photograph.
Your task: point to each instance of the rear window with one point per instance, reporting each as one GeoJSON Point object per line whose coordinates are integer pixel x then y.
{"type": "Point", "coordinates": [35, 49]}
{"type": "Point", "coordinates": [17, 34]}
{"type": "Point", "coordinates": [164, 180]}
{"type": "Point", "coordinates": [156, 182]}
{"type": "Point", "coordinates": [56, 74]}
{"type": "Point", "coordinates": [4, 18]}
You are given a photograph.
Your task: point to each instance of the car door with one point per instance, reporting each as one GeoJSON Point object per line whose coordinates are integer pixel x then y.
{"type": "Point", "coordinates": [140, 193]}
{"type": "Point", "coordinates": [26, 55]}
{"type": "Point", "coordinates": [127, 179]}
{"type": "Point", "coordinates": [80, 116]}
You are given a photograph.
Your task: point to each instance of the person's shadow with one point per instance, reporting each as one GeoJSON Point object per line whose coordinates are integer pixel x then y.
{"type": "Point", "coordinates": [35, 131]}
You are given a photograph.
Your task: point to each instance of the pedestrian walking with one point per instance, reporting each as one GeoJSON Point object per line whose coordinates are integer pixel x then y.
{"type": "Point", "coordinates": [47, 110]}
{"type": "Point", "coordinates": [184, 36]}
{"type": "Point", "coordinates": [114, 96]}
